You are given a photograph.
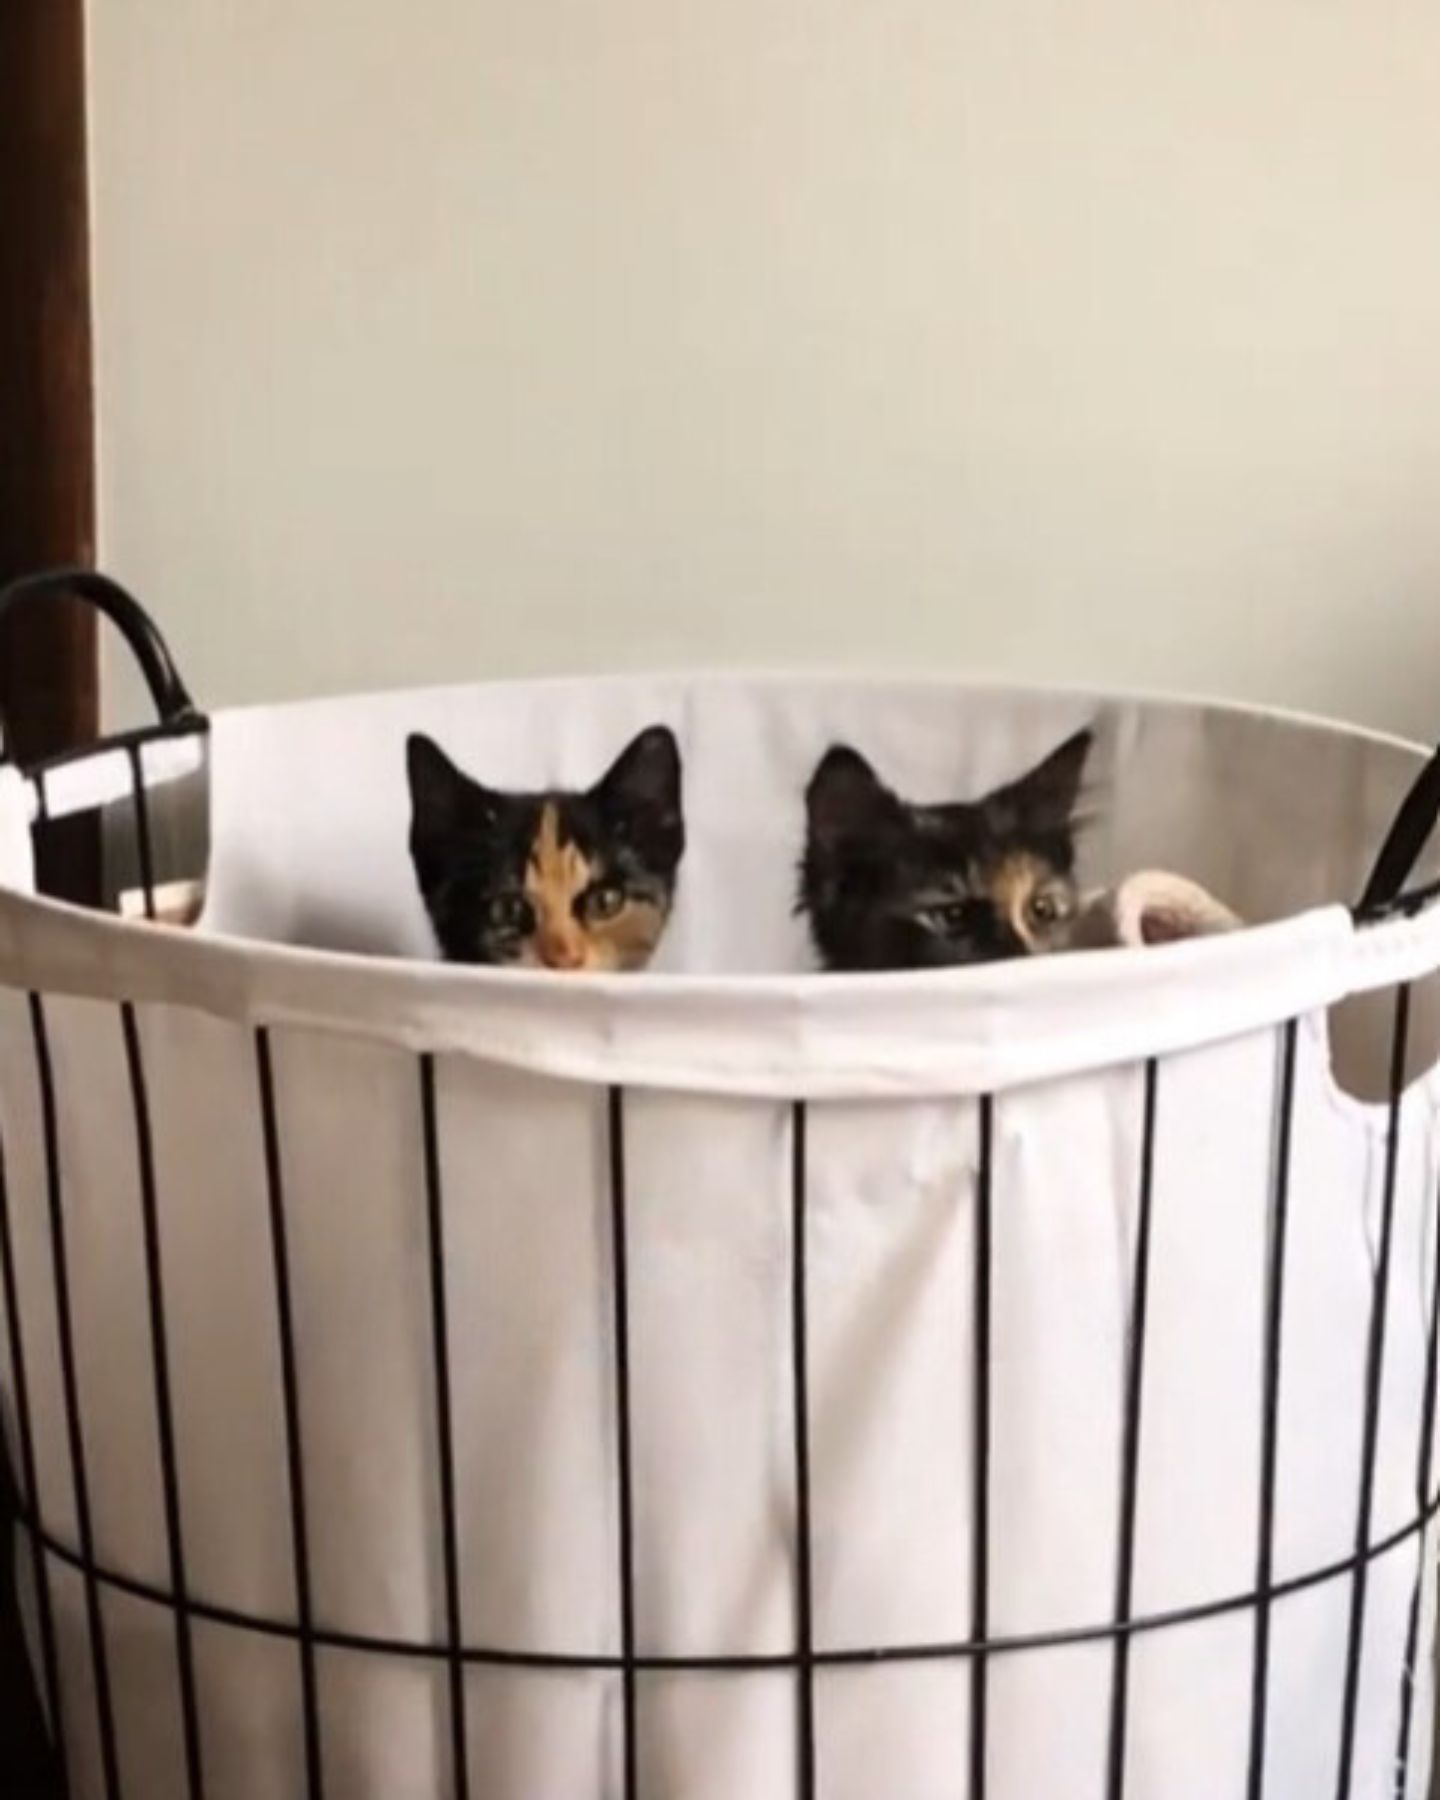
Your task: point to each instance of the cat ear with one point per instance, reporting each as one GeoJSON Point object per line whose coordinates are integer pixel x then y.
{"type": "Point", "coordinates": [1045, 798]}
{"type": "Point", "coordinates": [442, 798]}
{"type": "Point", "coordinates": [845, 798]}
{"type": "Point", "coordinates": [644, 778]}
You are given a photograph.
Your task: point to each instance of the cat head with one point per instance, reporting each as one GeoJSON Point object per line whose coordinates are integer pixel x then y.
{"type": "Point", "coordinates": [889, 885]}
{"type": "Point", "coordinates": [555, 880]}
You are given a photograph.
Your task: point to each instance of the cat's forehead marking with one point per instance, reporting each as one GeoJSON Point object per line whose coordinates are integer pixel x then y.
{"type": "Point", "coordinates": [557, 871]}
{"type": "Point", "coordinates": [1015, 878]}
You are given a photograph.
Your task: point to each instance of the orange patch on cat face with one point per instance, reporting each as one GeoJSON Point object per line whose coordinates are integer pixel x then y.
{"type": "Point", "coordinates": [1013, 884]}
{"type": "Point", "coordinates": [557, 874]}
{"type": "Point", "coordinates": [555, 877]}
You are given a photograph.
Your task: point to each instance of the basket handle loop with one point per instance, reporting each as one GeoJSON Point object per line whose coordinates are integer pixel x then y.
{"type": "Point", "coordinates": [1404, 843]}
{"type": "Point", "coordinates": [173, 704]}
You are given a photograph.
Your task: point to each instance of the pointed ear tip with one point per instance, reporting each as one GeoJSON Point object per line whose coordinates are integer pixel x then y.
{"type": "Point", "coordinates": [654, 740]}
{"type": "Point", "coordinates": [436, 784]}
{"type": "Point", "coordinates": [647, 771]}
{"type": "Point", "coordinates": [657, 740]}
{"type": "Point", "coordinates": [823, 771]}
{"type": "Point", "coordinates": [1068, 759]}
{"type": "Point", "coordinates": [841, 780]}
{"type": "Point", "coordinates": [838, 759]}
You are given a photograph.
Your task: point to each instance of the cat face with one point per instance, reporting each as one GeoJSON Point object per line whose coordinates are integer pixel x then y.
{"type": "Point", "coordinates": [558, 880]}
{"type": "Point", "coordinates": [888, 885]}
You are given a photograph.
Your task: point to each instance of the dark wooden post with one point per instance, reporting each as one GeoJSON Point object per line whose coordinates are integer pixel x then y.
{"type": "Point", "coordinates": [48, 674]}
{"type": "Point", "coordinates": [48, 656]}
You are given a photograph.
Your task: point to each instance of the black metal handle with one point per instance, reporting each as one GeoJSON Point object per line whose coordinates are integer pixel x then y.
{"type": "Point", "coordinates": [1406, 839]}
{"type": "Point", "coordinates": [172, 699]}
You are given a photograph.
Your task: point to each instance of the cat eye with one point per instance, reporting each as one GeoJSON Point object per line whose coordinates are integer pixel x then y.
{"type": "Point", "coordinates": [955, 916]}
{"type": "Point", "coordinates": [604, 901]}
{"type": "Point", "coordinates": [1045, 909]}
{"type": "Point", "coordinates": [511, 914]}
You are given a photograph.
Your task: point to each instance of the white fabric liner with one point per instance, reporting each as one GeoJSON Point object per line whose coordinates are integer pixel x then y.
{"type": "Point", "coordinates": [308, 852]}
{"type": "Point", "coordinates": [308, 847]}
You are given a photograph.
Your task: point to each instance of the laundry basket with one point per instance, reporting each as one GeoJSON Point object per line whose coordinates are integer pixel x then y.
{"type": "Point", "coordinates": [726, 1382]}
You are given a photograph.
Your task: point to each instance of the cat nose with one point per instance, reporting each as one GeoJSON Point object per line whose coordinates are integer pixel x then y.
{"type": "Point", "coordinates": [562, 953]}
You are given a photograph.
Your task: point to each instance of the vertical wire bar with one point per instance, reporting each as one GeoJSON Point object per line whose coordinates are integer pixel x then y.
{"type": "Point", "coordinates": [444, 1430]}
{"type": "Point", "coordinates": [1374, 1380]}
{"type": "Point", "coordinates": [620, 1282]}
{"type": "Point", "coordinates": [980, 1455]}
{"type": "Point", "coordinates": [290, 1388]}
{"type": "Point", "coordinates": [142, 828]}
{"type": "Point", "coordinates": [1424, 1478]}
{"type": "Point", "coordinates": [44, 1605]}
{"type": "Point", "coordinates": [804, 1572]}
{"type": "Point", "coordinates": [164, 1404]}
{"type": "Point", "coordinates": [42, 799]}
{"type": "Point", "coordinates": [1270, 1413]}
{"type": "Point", "coordinates": [1130, 1447]}
{"type": "Point", "coordinates": [70, 1383]}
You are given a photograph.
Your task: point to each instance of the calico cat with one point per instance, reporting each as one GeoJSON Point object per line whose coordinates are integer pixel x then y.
{"type": "Point", "coordinates": [554, 880]}
{"type": "Point", "coordinates": [889, 885]}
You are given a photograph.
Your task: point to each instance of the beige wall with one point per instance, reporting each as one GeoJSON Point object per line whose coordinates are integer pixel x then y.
{"type": "Point", "coordinates": [1097, 341]}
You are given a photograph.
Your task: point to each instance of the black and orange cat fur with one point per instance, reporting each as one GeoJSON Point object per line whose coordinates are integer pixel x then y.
{"type": "Point", "coordinates": [561, 879]}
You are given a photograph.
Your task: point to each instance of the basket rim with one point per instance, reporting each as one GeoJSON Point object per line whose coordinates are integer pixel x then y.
{"type": "Point", "coordinates": [963, 1031]}
{"type": "Point", "coordinates": [972, 1029]}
